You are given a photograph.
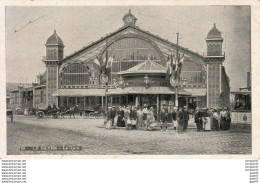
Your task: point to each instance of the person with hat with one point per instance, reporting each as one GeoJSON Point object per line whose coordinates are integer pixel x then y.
{"type": "Point", "coordinates": [145, 113]}
{"type": "Point", "coordinates": [174, 118]}
{"type": "Point", "coordinates": [133, 117]}
{"type": "Point", "coordinates": [109, 117]}
{"type": "Point", "coordinates": [198, 119]}
{"type": "Point", "coordinates": [120, 113]}
{"type": "Point", "coordinates": [140, 121]}
{"type": "Point", "coordinates": [215, 120]}
{"type": "Point", "coordinates": [164, 115]}
{"type": "Point", "coordinates": [223, 115]}
{"type": "Point", "coordinates": [186, 118]}
{"type": "Point", "coordinates": [150, 118]}
{"type": "Point", "coordinates": [180, 120]}
{"type": "Point", "coordinates": [228, 118]}
{"type": "Point", "coordinates": [128, 123]}
{"type": "Point", "coordinates": [113, 115]}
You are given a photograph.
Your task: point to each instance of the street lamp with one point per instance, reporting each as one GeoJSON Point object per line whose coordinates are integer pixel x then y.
{"type": "Point", "coordinates": [146, 81]}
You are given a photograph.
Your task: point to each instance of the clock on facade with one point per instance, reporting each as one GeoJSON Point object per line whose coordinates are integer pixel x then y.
{"type": "Point", "coordinates": [129, 19]}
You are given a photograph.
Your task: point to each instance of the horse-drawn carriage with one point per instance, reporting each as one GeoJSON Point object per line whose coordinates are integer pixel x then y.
{"type": "Point", "coordinates": [88, 113]}
{"type": "Point", "coordinates": [40, 113]}
{"type": "Point", "coordinates": [56, 113]}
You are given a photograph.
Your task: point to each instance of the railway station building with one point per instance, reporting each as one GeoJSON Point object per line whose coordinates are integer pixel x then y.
{"type": "Point", "coordinates": [137, 61]}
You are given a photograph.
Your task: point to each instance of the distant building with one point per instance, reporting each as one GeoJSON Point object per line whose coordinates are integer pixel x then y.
{"type": "Point", "coordinates": [21, 97]}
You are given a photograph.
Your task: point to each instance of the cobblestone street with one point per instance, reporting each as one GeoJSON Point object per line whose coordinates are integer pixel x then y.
{"type": "Point", "coordinates": [30, 131]}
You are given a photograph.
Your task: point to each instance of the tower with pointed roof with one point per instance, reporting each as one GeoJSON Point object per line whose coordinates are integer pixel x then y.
{"type": "Point", "coordinates": [214, 57]}
{"type": "Point", "coordinates": [129, 19]}
{"type": "Point", "coordinates": [54, 55]}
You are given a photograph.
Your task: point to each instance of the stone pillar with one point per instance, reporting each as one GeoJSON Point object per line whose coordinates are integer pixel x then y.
{"type": "Point", "coordinates": [158, 107]}
{"type": "Point", "coordinates": [136, 100]}
{"type": "Point", "coordinates": [34, 98]}
{"type": "Point", "coordinates": [102, 101]}
{"type": "Point", "coordinates": [84, 103]}
{"type": "Point", "coordinates": [120, 100]}
{"type": "Point", "coordinates": [186, 100]}
{"type": "Point", "coordinates": [111, 100]}
{"type": "Point", "coordinates": [67, 101]}
{"type": "Point", "coordinates": [126, 99]}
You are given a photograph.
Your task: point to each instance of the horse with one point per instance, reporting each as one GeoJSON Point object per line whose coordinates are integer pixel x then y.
{"type": "Point", "coordinates": [69, 111]}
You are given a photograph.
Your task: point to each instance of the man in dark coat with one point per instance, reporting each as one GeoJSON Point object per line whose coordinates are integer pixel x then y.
{"type": "Point", "coordinates": [198, 119]}
{"type": "Point", "coordinates": [120, 113]}
{"type": "Point", "coordinates": [164, 114]}
{"type": "Point", "coordinates": [228, 118]}
{"type": "Point", "coordinates": [113, 115]}
{"type": "Point", "coordinates": [109, 113]}
{"type": "Point", "coordinates": [180, 119]}
{"type": "Point", "coordinates": [186, 118]}
{"type": "Point", "coordinates": [54, 107]}
{"type": "Point", "coordinates": [49, 107]}
{"type": "Point", "coordinates": [133, 117]}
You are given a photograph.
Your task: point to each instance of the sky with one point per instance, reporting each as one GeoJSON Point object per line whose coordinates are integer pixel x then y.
{"type": "Point", "coordinates": [79, 26]}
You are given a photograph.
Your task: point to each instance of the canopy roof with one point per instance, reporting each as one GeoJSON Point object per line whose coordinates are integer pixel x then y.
{"type": "Point", "coordinates": [147, 67]}
{"type": "Point", "coordinates": [118, 91]}
{"type": "Point", "coordinates": [144, 91]}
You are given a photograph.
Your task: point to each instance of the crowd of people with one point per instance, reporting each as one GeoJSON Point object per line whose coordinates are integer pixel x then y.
{"type": "Point", "coordinates": [212, 119]}
{"type": "Point", "coordinates": [133, 117]}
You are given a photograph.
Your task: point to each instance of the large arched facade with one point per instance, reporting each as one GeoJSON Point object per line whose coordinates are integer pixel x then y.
{"type": "Point", "coordinates": [127, 51]}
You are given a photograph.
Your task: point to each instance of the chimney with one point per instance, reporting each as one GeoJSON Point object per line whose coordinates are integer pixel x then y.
{"type": "Point", "coordinates": [249, 80]}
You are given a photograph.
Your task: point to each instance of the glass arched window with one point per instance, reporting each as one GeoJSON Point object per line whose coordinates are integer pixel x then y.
{"type": "Point", "coordinates": [192, 72]}
{"type": "Point", "coordinates": [129, 52]}
{"type": "Point", "coordinates": [76, 74]}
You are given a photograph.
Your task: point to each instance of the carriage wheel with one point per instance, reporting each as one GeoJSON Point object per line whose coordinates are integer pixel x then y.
{"type": "Point", "coordinates": [49, 113]}
{"type": "Point", "coordinates": [55, 116]}
{"type": "Point", "coordinates": [91, 114]}
{"type": "Point", "coordinates": [40, 115]}
{"type": "Point", "coordinates": [85, 115]}
{"type": "Point", "coordinates": [101, 115]}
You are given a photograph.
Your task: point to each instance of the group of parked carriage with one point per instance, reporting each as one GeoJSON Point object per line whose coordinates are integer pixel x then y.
{"type": "Point", "coordinates": [61, 112]}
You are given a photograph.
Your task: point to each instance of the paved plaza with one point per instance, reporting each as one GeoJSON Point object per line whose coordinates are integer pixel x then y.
{"type": "Point", "coordinates": [30, 131]}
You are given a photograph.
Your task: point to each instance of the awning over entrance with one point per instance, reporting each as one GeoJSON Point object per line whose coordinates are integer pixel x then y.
{"type": "Point", "coordinates": [196, 92]}
{"type": "Point", "coordinates": [118, 91]}
{"type": "Point", "coordinates": [79, 92]}
{"type": "Point", "coordinates": [143, 90]}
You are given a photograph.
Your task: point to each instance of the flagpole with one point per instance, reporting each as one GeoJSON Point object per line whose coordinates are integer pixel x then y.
{"type": "Point", "coordinates": [178, 80]}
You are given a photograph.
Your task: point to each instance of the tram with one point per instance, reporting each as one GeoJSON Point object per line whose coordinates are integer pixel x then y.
{"type": "Point", "coordinates": [241, 114]}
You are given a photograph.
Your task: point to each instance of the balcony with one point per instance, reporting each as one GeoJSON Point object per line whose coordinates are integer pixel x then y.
{"type": "Point", "coordinates": [214, 54]}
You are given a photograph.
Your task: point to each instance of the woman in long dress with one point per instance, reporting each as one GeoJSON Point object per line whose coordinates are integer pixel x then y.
{"type": "Point", "coordinates": [207, 124]}
{"type": "Point", "coordinates": [120, 113]}
{"type": "Point", "coordinates": [145, 114]}
{"type": "Point", "coordinates": [140, 121]}
{"type": "Point", "coordinates": [222, 119]}
{"type": "Point", "coordinates": [127, 118]}
{"type": "Point", "coordinates": [133, 117]}
{"type": "Point", "coordinates": [215, 121]}
{"type": "Point", "coordinates": [150, 119]}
